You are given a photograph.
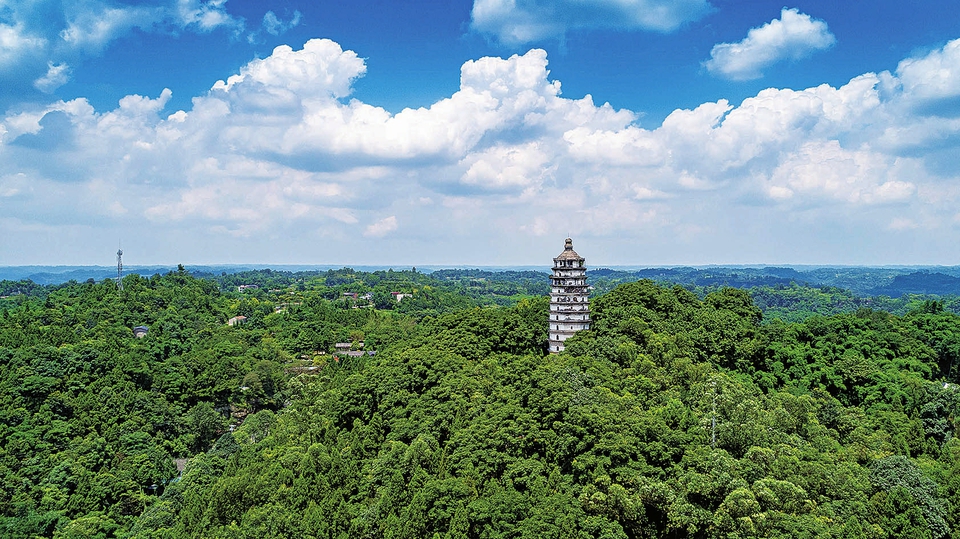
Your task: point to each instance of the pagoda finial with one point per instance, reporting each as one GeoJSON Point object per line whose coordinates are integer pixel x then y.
{"type": "Point", "coordinates": [568, 244]}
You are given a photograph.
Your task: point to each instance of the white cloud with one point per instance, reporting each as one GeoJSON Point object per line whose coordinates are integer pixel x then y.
{"type": "Point", "coordinates": [280, 148]}
{"type": "Point", "coordinates": [382, 227]}
{"type": "Point", "coordinates": [320, 70]}
{"type": "Point", "coordinates": [629, 146]}
{"type": "Point", "coordinates": [934, 76]}
{"type": "Point", "coordinates": [275, 26]}
{"type": "Point", "coordinates": [293, 97]}
{"type": "Point", "coordinates": [205, 16]}
{"type": "Point", "coordinates": [507, 167]}
{"type": "Point", "coordinates": [793, 36]}
{"type": "Point", "coordinates": [823, 170]}
{"type": "Point", "coordinates": [91, 29]}
{"type": "Point", "coordinates": [30, 38]}
{"type": "Point", "coordinates": [57, 75]}
{"type": "Point", "coordinates": [515, 22]}
{"type": "Point", "coordinates": [645, 193]}
{"type": "Point", "coordinates": [16, 43]}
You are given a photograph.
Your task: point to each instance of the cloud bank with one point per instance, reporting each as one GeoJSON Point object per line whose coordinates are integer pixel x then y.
{"type": "Point", "coordinates": [281, 150]}
{"type": "Point", "coordinates": [793, 36]}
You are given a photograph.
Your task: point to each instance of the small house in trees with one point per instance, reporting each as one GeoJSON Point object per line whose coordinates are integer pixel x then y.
{"type": "Point", "coordinates": [140, 331]}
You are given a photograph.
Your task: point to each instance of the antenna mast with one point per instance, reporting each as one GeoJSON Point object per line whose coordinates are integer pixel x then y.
{"type": "Point", "coordinates": [119, 269]}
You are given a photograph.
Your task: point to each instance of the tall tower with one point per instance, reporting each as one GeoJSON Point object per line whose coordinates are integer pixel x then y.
{"type": "Point", "coordinates": [569, 305]}
{"type": "Point", "coordinates": [119, 269]}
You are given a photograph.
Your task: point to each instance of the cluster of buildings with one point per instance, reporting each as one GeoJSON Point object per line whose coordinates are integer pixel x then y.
{"type": "Point", "coordinates": [569, 303]}
{"type": "Point", "coordinates": [347, 349]}
{"type": "Point", "coordinates": [368, 297]}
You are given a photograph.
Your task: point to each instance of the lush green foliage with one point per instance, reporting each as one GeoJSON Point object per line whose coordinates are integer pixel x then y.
{"type": "Point", "coordinates": [672, 417]}
{"type": "Point", "coordinates": [91, 417]}
{"type": "Point", "coordinates": [681, 413]}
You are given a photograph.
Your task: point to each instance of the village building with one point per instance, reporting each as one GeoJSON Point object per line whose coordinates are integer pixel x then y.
{"type": "Point", "coordinates": [569, 302]}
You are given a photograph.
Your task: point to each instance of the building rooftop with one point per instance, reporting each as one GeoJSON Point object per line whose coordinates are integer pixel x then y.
{"type": "Point", "coordinates": [568, 252]}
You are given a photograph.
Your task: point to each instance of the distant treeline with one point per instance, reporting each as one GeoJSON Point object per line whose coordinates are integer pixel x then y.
{"type": "Point", "coordinates": [781, 292]}
{"type": "Point", "coordinates": [862, 280]}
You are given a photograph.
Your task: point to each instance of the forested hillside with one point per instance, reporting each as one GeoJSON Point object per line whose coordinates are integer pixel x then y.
{"type": "Point", "coordinates": [91, 417]}
{"type": "Point", "coordinates": [862, 281]}
{"type": "Point", "coordinates": [675, 416]}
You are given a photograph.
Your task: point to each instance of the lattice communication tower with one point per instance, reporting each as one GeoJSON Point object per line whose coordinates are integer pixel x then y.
{"type": "Point", "coordinates": [119, 269]}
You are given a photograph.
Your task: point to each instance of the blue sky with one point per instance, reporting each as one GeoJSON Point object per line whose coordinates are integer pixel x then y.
{"type": "Point", "coordinates": [480, 133]}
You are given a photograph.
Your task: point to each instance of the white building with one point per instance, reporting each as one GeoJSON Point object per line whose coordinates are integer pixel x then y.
{"type": "Point", "coordinates": [569, 304]}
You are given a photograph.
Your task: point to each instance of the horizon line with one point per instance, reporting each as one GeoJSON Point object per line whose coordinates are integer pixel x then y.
{"type": "Point", "coordinates": [402, 267]}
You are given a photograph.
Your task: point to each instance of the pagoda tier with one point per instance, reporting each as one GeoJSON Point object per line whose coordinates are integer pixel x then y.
{"type": "Point", "coordinates": [569, 304]}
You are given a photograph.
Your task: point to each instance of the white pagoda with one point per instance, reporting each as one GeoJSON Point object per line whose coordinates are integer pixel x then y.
{"type": "Point", "coordinates": [569, 304]}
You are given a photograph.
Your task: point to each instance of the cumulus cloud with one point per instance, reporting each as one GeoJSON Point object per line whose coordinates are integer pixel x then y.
{"type": "Point", "coordinates": [320, 70]}
{"type": "Point", "coordinates": [382, 227]}
{"type": "Point", "coordinates": [934, 77]}
{"type": "Point", "coordinates": [57, 75]}
{"type": "Point", "coordinates": [281, 145]}
{"type": "Point", "coordinates": [294, 97]}
{"type": "Point", "coordinates": [793, 36]}
{"type": "Point", "coordinates": [514, 22]}
{"type": "Point", "coordinates": [825, 170]}
{"type": "Point", "coordinates": [507, 167]}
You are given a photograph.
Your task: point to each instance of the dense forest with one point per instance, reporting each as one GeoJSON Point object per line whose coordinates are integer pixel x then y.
{"type": "Point", "coordinates": [686, 411]}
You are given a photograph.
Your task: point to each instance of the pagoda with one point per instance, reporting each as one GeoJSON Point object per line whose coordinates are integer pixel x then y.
{"type": "Point", "coordinates": [569, 304]}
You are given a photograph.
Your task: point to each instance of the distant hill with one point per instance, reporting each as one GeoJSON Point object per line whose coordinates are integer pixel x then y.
{"type": "Point", "coordinates": [920, 282]}
{"type": "Point", "coordinates": [61, 274]}
{"type": "Point", "coordinates": [864, 281]}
